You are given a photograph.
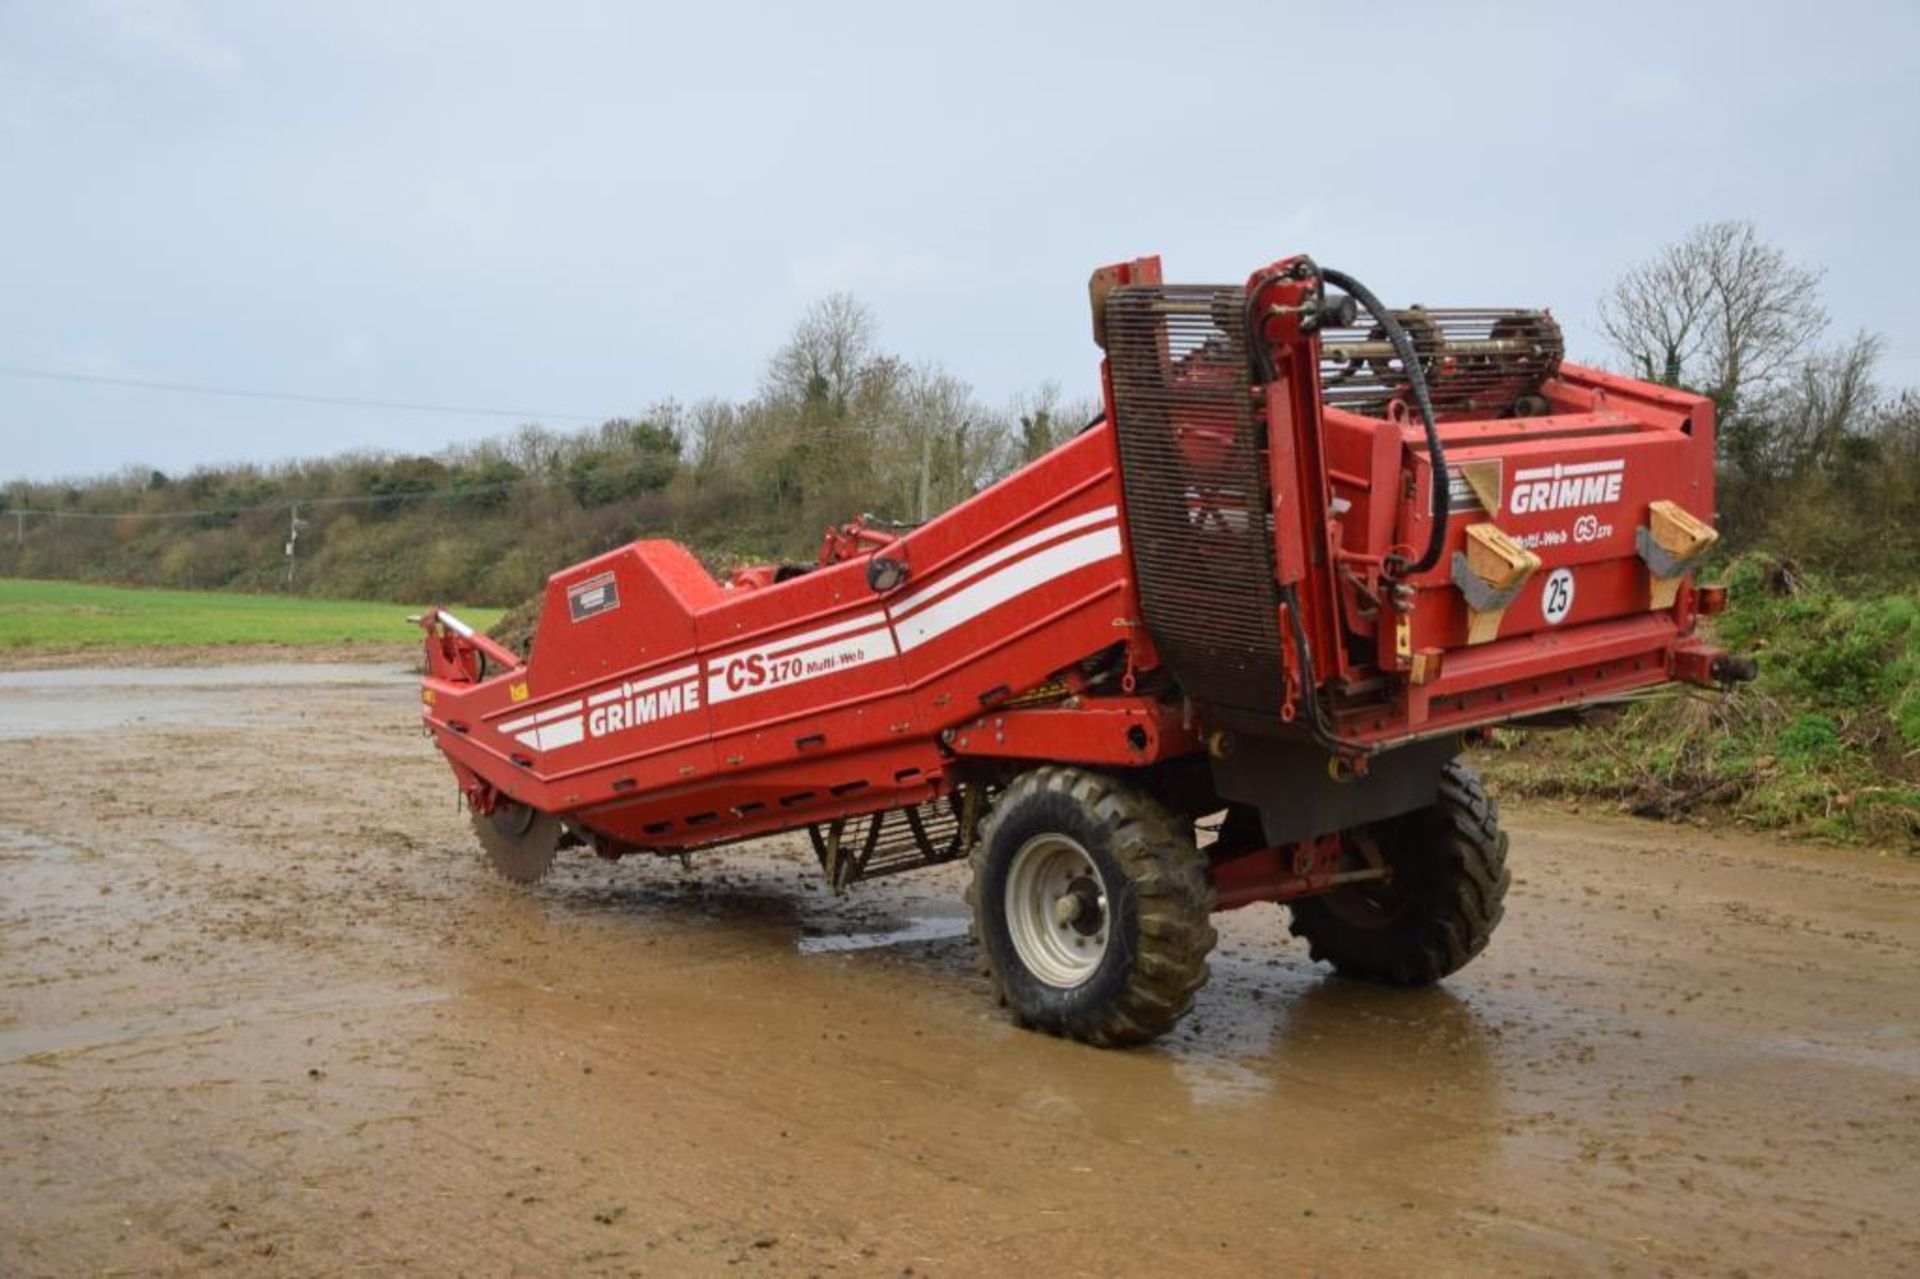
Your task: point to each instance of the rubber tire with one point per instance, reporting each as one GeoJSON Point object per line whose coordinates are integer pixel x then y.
{"type": "Point", "coordinates": [1159, 908]}
{"type": "Point", "coordinates": [1453, 857]}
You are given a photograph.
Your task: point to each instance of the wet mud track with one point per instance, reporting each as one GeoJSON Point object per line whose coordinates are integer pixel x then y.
{"type": "Point", "coordinates": [262, 1010]}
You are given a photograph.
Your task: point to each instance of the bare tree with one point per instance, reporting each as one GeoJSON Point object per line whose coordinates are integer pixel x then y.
{"type": "Point", "coordinates": [939, 408]}
{"type": "Point", "coordinates": [1765, 312]}
{"type": "Point", "coordinates": [1721, 311]}
{"type": "Point", "coordinates": [713, 443]}
{"type": "Point", "coordinates": [1898, 429]}
{"type": "Point", "coordinates": [534, 448]}
{"type": "Point", "coordinates": [825, 355]}
{"type": "Point", "coordinates": [1657, 314]}
{"type": "Point", "coordinates": [1038, 413]}
{"type": "Point", "coordinates": [1829, 403]}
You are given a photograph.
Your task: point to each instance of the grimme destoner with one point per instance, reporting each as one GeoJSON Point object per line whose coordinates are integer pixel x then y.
{"type": "Point", "coordinates": [1224, 646]}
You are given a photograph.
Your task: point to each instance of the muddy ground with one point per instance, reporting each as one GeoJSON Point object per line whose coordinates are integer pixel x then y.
{"type": "Point", "coordinates": [262, 1010]}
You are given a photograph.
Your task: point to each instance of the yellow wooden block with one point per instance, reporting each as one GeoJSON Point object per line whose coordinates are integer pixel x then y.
{"type": "Point", "coordinates": [1497, 559]}
{"type": "Point", "coordinates": [1684, 538]}
{"type": "Point", "coordinates": [1504, 565]}
{"type": "Point", "coordinates": [1677, 532]}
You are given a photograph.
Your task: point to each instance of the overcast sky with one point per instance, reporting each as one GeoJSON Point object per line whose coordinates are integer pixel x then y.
{"type": "Point", "coordinates": [584, 207]}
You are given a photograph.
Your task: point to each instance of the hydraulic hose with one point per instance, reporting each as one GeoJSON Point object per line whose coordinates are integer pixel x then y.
{"type": "Point", "coordinates": [1396, 565]}
{"type": "Point", "coordinates": [1309, 682]}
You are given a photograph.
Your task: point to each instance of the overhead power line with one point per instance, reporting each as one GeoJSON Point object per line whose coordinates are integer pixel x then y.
{"type": "Point", "coordinates": [294, 397]}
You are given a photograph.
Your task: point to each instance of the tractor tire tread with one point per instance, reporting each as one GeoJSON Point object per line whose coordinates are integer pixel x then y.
{"type": "Point", "coordinates": [1173, 906]}
{"type": "Point", "coordinates": [1451, 924]}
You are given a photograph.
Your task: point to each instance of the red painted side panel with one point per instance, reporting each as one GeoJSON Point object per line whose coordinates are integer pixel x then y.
{"type": "Point", "coordinates": [804, 667]}
{"type": "Point", "coordinates": [1010, 587]}
{"type": "Point", "coordinates": [664, 710]}
{"type": "Point", "coordinates": [1576, 500]}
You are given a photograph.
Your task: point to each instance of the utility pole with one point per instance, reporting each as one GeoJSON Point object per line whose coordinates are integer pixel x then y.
{"type": "Point", "coordinates": [960, 493]}
{"type": "Point", "coordinates": [294, 525]}
{"type": "Point", "coordinates": [19, 529]}
{"type": "Point", "coordinates": [926, 473]}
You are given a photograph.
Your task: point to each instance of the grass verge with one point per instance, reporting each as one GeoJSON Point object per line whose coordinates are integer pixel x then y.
{"type": "Point", "coordinates": [77, 615]}
{"type": "Point", "coordinates": [1825, 743]}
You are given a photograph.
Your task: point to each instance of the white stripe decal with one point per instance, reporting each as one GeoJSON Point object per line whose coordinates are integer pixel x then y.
{"type": "Point", "coordinates": [959, 597]}
{"type": "Point", "coordinates": [631, 689]}
{"type": "Point", "coordinates": [926, 593]}
{"type": "Point", "coordinates": [565, 733]}
{"type": "Point", "coordinates": [996, 589]}
{"type": "Point", "coordinates": [1560, 470]}
{"type": "Point", "coordinates": [629, 704]}
{"type": "Point", "coordinates": [773, 647]}
{"type": "Point", "coordinates": [541, 717]}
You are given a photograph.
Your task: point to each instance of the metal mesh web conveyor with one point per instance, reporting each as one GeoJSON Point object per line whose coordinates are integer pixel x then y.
{"type": "Point", "coordinates": [1193, 467]}
{"type": "Point", "coordinates": [1477, 361]}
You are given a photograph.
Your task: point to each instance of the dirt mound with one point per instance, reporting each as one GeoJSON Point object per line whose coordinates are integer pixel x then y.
{"type": "Point", "coordinates": [517, 629]}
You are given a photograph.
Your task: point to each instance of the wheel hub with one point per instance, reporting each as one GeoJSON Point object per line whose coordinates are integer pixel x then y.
{"type": "Point", "coordinates": [1056, 910]}
{"type": "Point", "coordinates": [512, 820]}
{"type": "Point", "coordinates": [1082, 907]}
{"type": "Point", "coordinates": [1373, 903]}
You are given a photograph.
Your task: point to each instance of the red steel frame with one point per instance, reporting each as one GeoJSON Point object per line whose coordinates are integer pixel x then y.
{"type": "Point", "coordinates": [815, 698]}
{"type": "Point", "coordinates": [664, 710]}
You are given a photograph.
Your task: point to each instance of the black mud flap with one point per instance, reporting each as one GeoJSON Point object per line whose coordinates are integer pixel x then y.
{"type": "Point", "coordinates": [1301, 795]}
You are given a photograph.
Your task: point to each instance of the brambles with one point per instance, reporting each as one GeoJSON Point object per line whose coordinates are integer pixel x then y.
{"type": "Point", "coordinates": [1826, 741]}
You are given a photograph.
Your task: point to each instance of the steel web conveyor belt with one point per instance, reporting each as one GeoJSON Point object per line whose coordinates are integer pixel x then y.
{"type": "Point", "coordinates": [1194, 469]}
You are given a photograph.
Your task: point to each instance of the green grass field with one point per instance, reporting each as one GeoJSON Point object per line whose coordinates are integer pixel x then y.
{"type": "Point", "coordinates": [71, 615]}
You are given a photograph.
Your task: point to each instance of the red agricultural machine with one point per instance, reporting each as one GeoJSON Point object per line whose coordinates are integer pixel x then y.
{"type": "Point", "coordinates": [1222, 647]}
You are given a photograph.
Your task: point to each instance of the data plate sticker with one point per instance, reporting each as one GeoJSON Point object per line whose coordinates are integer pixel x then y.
{"type": "Point", "coordinates": [595, 595]}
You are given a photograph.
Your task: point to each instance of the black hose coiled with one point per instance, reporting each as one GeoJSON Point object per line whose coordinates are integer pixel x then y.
{"type": "Point", "coordinates": [1396, 565]}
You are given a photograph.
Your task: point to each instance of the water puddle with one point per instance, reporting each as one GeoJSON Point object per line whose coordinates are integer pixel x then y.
{"type": "Point", "coordinates": [924, 928]}
{"type": "Point", "coordinates": [92, 699]}
{"type": "Point", "coordinates": [47, 1044]}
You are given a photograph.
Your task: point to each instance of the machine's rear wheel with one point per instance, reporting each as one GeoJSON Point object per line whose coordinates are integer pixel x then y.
{"type": "Point", "coordinates": [1090, 905]}
{"type": "Point", "coordinates": [520, 841]}
{"type": "Point", "coordinates": [1441, 902]}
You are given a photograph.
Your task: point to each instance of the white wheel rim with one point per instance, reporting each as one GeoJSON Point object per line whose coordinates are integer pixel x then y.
{"type": "Point", "coordinates": [1056, 910]}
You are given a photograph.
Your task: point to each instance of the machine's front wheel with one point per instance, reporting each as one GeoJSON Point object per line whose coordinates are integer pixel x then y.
{"type": "Point", "coordinates": [1090, 906]}
{"type": "Point", "coordinates": [1444, 894]}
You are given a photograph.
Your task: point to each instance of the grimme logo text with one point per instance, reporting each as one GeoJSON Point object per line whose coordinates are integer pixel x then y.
{"type": "Point", "coordinates": [643, 708]}
{"type": "Point", "coordinates": [1556, 488]}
